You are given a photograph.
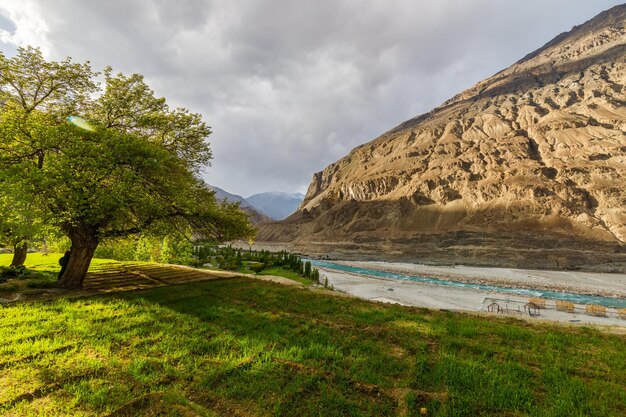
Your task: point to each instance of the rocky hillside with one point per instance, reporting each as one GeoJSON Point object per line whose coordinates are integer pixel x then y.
{"type": "Point", "coordinates": [526, 168]}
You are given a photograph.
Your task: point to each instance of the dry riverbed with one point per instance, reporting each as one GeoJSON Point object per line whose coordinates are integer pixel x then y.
{"type": "Point", "coordinates": [461, 299]}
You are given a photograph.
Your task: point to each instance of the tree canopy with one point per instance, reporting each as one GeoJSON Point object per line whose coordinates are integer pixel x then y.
{"type": "Point", "coordinates": [135, 168]}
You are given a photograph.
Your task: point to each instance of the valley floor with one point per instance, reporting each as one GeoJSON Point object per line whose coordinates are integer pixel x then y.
{"type": "Point", "coordinates": [450, 298]}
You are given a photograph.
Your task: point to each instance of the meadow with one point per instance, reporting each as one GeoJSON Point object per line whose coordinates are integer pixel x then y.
{"type": "Point", "coordinates": [244, 347]}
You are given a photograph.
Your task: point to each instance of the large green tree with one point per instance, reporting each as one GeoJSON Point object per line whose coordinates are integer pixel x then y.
{"type": "Point", "coordinates": [135, 168]}
{"type": "Point", "coordinates": [31, 90]}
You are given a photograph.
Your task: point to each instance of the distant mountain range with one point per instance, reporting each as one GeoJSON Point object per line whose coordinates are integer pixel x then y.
{"type": "Point", "coordinates": [263, 207]}
{"type": "Point", "coordinates": [256, 216]}
{"type": "Point", "coordinates": [275, 204]}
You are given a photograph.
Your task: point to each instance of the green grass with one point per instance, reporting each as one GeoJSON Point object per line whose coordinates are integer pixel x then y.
{"type": "Point", "coordinates": [43, 269]}
{"type": "Point", "coordinates": [40, 261]}
{"type": "Point", "coordinates": [35, 261]}
{"type": "Point", "coordinates": [245, 347]}
{"type": "Point", "coordinates": [41, 273]}
{"type": "Point", "coordinates": [277, 271]}
{"type": "Point", "coordinates": [286, 273]}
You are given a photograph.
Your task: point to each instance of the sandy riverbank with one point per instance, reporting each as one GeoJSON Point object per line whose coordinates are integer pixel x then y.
{"type": "Point", "coordinates": [460, 299]}
{"type": "Point", "coordinates": [604, 284]}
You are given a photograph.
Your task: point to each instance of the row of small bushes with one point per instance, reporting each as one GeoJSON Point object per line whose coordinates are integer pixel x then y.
{"type": "Point", "coordinates": [233, 259]}
{"type": "Point", "coordinates": [568, 306]}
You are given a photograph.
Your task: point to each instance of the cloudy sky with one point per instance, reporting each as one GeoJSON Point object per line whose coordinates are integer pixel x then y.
{"type": "Point", "coordinates": [289, 86]}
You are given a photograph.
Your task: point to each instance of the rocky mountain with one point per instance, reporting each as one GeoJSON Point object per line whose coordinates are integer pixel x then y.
{"type": "Point", "coordinates": [256, 215]}
{"type": "Point", "coordinates": [527, 168]}
{"type": "Point", "coordinates": [276, 205]}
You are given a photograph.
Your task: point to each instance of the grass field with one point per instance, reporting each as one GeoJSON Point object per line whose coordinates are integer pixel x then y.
{"type": "Point", "coordinates": [240, 347]}
{"type": "Point", "coordinates": [282, 272]}
{"type": "Point", "coordinates": [40, 261]}
{"type": "Point", "coordinates": [43, 269]}
{"type": "Point", "coordinates": [275, 270]}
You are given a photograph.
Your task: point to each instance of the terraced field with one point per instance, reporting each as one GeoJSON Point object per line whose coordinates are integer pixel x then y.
{"type": "Point", "coordinates": [132, 276]}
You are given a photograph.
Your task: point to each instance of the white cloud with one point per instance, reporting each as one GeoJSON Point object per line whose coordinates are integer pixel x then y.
{"type": "Point", "coordinates": [30, 26]}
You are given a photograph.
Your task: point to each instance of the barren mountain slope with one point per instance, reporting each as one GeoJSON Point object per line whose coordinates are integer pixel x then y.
{"type": "Point", "coordinates": [527, 168]}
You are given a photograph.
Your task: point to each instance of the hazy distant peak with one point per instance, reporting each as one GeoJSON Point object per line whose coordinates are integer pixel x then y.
{"type": "Point", "coordinates": [256, 215]}
{"type": "Point", "coordinates": [276, 204]}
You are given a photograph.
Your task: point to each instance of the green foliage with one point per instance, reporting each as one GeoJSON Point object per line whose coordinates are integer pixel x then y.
{"type": "Point", "coordinates": [113, 183]}
{"type": "Point", "coordinates": [130, 106]}
{"type": "Point", "coordinates": [14, 272]}
{"type": "Point", "coordinates": [173, 249]}
{"type": "Point", "coordinates": [28, 82]}
{"type": "Point", "coordinates": [256, 266]}
{"type": "Point", "coordinates": [20, 222]}
{"type": "Point", "coordinates": [143, 250]}
{"type": "Point", "coordinates": [280, 263]}
{"type": "Point", "coordinates": [180, 250]}
{"type": "Point", "coordinates": [167, 253]}
{"type": "Point", "coordinates": [135, 170]}
{"type": "Point", "coordinates": [315, 275]}
{"type": "Point", "coordinates": [121, 249]}
{"type": "Point", "coordinates": [34, 95]}
{"type": "Point", "coordinates": [57, 243]}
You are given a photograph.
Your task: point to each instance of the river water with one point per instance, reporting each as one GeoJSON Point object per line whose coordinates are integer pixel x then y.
{"type": "Point", "coordinates": [548, 294]}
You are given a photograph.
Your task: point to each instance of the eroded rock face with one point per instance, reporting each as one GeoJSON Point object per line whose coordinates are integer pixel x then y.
{"type": "Point", "coordinates": [536, 152]}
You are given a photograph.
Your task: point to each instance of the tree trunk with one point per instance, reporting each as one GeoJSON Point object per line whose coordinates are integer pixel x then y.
{"type": "Point", "coordinates": [20, 250]}
{"type": "Point", "coordinates": [84, 245]}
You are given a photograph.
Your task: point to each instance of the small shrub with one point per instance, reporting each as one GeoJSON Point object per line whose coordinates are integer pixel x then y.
{"type": "Point", "coordinates": [256, 266]}
{"type": "Point", "coordinates": [144, 249]}
{"type": "Point", "coordinates": [15, 272]}
{"type": "Point", "coordinates": [565, 306]}
{"type": "Point", "coordinates": [197, 263]}
{"type": "Point", "coordinates": [315, 275]}
{"type": "Point", "coordinates": [595, 310]}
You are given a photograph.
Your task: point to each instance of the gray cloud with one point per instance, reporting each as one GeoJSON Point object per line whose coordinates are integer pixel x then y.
{"type": "Point", "coordinates": [6, 24]}
{"type": "Point", "coordinates": [290, 86]}
{"type": "Point", "coordinates": [7, 29]}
